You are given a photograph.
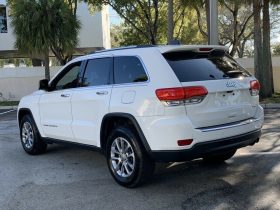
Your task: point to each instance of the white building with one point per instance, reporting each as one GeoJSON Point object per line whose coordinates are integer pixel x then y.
{"type": "Point", "coordinates": [94, 33]}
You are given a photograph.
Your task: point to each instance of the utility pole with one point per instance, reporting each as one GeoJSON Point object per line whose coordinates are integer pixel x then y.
{"type": "Point", "coordinates": [170, 22]}
{"type": "Point", "coordinates": [213, 36]}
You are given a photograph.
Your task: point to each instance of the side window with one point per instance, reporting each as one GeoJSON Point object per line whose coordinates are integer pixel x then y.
{"type": "Point", "coordinates": [98, 72]}
{"type": "Point", "coordinates": [69, 78]}
{"type": "Point", "coordinates": [129, 69]}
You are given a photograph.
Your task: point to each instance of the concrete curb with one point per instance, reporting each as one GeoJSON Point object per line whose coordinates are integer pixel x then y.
{"type": "Point", "coordinates": [8, 107]}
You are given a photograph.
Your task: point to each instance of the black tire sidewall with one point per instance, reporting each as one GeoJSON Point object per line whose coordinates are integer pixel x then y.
{"type": "Point", "coordinates": [132, 139]}
{"type": "Point", "coordinates": [36, 136]}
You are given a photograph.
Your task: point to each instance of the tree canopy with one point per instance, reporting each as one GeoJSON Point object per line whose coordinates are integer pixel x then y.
{"type": "Point", "coordinates": [44, 25]}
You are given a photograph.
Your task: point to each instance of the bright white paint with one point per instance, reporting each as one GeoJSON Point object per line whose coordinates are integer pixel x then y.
{"type": "Point", "coordinates": [55, 114]}
{"type": "Point", "coordinates": [78, 117]}
{"type": "Point", "coordinates": [86, 123]}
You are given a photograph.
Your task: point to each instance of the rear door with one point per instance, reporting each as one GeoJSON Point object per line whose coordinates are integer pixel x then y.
{"type": "Point", "coordinates": [91, 101]}
{"type": "Point", "coordinates": [228, 99]}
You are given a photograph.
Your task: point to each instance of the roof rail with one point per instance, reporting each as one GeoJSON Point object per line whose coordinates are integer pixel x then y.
{"type": "Point", "coordinates": [122, 48]}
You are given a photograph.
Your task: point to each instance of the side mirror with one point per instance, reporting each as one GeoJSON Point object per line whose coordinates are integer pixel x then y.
{"type": "Point", "coordinates": [44, 84]}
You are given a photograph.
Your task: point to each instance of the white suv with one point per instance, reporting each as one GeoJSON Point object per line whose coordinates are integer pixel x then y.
{"type": "Point", "coordinates": [140, 105]}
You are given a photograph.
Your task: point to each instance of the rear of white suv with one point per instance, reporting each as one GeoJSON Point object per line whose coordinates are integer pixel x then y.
{"type": "Point", "coordinates": [143, 105]}
{"type": "Point", "coordinates": [213, 112]}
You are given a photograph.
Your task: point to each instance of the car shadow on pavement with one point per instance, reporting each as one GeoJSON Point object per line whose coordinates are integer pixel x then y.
{"type": "Point", "coordinates": [244, 182]}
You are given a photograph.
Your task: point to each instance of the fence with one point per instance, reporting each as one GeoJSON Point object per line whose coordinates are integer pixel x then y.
{"type": "Point", "coordinates": [18, 82]}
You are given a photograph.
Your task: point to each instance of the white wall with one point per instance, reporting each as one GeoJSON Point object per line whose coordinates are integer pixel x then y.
{"type": "Point", "coordinates": [95, 30]}
{"type": "Point", "coordinates": [18, 82]}
{"type": "Point", "coordinates": [248, 63]}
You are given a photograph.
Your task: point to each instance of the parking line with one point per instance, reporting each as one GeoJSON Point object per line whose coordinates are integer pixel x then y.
{"type": "Point", "coordinates": [7, 112]}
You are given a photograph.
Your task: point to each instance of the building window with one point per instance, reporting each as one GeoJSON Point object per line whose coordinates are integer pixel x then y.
{"type": "Point", "coordinates": [3, 20]}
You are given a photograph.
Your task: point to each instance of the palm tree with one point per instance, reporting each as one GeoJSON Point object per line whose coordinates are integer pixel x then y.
{"type": "Point", "coordinates": [44, 25]}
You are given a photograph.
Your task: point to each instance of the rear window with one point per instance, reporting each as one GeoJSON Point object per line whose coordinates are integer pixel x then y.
{"type": "Point", "coordinates": [191, 66]}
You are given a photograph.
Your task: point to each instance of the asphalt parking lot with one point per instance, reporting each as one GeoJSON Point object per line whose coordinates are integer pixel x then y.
{"type": "Point", "coordinates": [72, 178]}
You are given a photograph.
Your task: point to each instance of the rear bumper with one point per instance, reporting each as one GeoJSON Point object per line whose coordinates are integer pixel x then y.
{"type": "Point", "coordinates": [203, 148]}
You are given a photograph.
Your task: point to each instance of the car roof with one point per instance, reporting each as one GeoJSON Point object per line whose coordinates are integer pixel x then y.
{"type": "Point", "coordinates": [137, 50]}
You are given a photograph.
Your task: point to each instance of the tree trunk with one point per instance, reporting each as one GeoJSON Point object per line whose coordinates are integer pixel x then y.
{"type": "Point", "coordinates": [267, 62]}
{"type": "Point", "coordinates": [155, 22]}
{"type": "Point", "coordinates": [36, 62]}
{"type": "Point", "coordinates": [235, 30]}
{"type": "Point", "coordinates": [207, 18]}
{"type": "Point", "coordinates": [170, 22]}
{"type": "Point", "coordinates": [258, 45]}
{"type": "Point", "coordinates": [63, 59]}
{"type": "Point", "coordinates": [47, 66]}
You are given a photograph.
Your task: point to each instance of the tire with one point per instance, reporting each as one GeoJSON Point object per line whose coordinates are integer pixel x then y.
{"type": "Point", "coordinates": [132, 167]}
{"type": "Point", "coordinates": [219, 157]}
{"type": "Point", "coordinates": [30, 138]}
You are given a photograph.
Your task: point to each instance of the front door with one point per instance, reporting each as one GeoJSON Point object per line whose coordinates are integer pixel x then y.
{"type": "Point", "coordinates": [55, 105]}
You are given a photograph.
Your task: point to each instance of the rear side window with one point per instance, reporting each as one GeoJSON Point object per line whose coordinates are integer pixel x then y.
{"type": "Point", "coordinates": [98, 72]}
{"type": "Point", "coordinates": [128, 69]}
{"type": "Point", "coordinates": [192, 66]}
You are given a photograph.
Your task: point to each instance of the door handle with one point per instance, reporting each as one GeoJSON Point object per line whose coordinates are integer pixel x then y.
{"type": "Point", "coordinates": [102, 93]}
{"type": "Point", "coordinates": [65, 95]}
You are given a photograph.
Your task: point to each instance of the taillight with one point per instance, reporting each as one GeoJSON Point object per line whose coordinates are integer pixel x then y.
{"type": "Point", "coordinates": [255, 87]}
{"type": "Point", "coordinates": [205, 49]}
{"type": "Point", "coordinates": [182, 95]}
{"type": "Point", "coordinates": [184, 142]}
{"type": "Point", "coordinates": [170, 94]}
{"type": "Point", "coordinates": [195, 94]}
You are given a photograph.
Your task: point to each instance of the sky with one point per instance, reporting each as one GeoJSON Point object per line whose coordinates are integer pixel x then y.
{"type": "Point", "coordinates": [114, 17]}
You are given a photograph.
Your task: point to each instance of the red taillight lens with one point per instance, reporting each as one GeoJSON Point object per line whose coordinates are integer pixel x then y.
{"type": "Point", "coordinates": [195, 91]}
{"type": "Point", "coordinates": [205, 49]}
{"type": "Point", "coordinates": [255, 87]}
{"type": "Point", "coordinates": [193, 94]}
{"type": "Point", "coordinates": [184, 142]}
{"type": "Point", "coordinates": [170, 94]}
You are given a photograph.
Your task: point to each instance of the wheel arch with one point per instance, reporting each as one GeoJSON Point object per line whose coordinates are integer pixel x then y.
{"type": "Point", "coordinates": [24, 111]}
{"type": "Point", "coordinates": [111, 120]}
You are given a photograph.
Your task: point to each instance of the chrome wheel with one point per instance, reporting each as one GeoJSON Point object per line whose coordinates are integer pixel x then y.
{"type": "Point", "coordinates": [122, 157]}
{"type": "Point", "coordinates": [27, 135]}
